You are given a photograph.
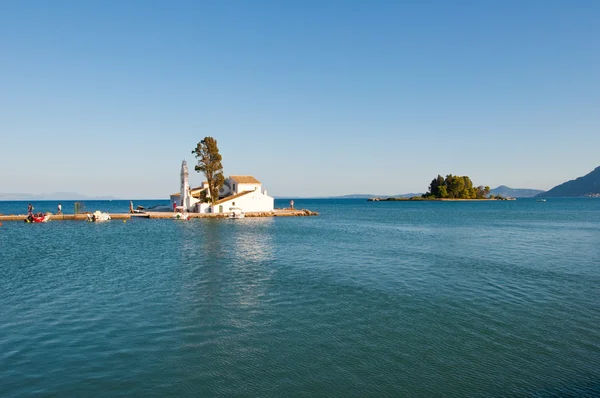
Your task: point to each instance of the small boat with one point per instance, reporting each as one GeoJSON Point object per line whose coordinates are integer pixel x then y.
{"type": "Point", "coordinates": [181, 216]}
{"type": "Point", "coordinates": [98, 216]}
{"type": "Point", "coordinates": [38, 218]}
{"type": "Point", "coordinates": [540, 200]}
{"type": "Point", "coordinates": [236, 212]}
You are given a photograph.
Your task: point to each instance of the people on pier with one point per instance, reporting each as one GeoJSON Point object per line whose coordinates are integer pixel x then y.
{"type": "Point", "coordinates": [59, 209]}
{"type": "Point", "coordinates": [29, 209]}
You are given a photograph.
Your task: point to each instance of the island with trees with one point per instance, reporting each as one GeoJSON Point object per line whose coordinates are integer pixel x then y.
{"type": "Point", "coordinates": [455, 187]}
{"type": "Point", "coordinates": [450, 188]}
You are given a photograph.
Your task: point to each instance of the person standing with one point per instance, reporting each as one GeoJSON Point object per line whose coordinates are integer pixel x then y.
{"type": "Point", "coordinates": [59, 209]}
{"type": "Point", "coordinates": [292, 204]}
{"type": "Point", "coordinates": [174, 207]}
{"type": "Point", "coordinates": [29, 209]}
{"type": "Point", "coordinates": [131, 207]}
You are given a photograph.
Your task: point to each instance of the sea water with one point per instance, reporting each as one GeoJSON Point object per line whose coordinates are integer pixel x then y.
{"type": "Point", "coordinates": [368, 299]}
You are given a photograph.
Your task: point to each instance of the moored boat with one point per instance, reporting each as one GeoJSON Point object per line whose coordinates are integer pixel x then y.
{"type": "Point", "coordinates": [98, 216]}
{"type": "Point", "coordinates": [181, 216]}
{"type": "Point", "coordinates": [38, 218]}
{"type": "Point", "coordinates": [236, 212]}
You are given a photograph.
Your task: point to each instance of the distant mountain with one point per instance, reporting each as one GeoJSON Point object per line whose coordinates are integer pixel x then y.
{"type": "Point", "coordinates": [353, 196]}
{"type": "Point", "coordinates": [368, 196]}
{"type": "Point", "coordinates": [505, 191]}
{"type": "Point", "coordinates": [356, 196]}
{"type": "Point", "coordinates": [403, 195]}
{"type": "Point", "coordinates": [587, 185]}
{"type": "Point", "coordinates": [52, 196]}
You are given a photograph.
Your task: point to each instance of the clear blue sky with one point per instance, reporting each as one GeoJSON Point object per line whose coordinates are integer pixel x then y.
{"type": "Point", "coordinates": [311, 97]}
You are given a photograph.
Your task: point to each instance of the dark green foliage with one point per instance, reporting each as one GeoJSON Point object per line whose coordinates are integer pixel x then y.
{"type": "Point", "coordinates": [204, 197]}
{"type": "Point", "coordinates": [209, 163]}
{"type": "Point", "coordinates": [455, 187]}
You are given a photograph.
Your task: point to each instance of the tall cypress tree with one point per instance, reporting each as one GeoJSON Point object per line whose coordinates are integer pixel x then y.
{"type": "Point", "coordinates": [209, 163]}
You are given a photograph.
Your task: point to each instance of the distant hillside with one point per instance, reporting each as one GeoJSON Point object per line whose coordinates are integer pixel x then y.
{"type": "Point", "coordinates": [52, 196]}
{"type": "Point", "coordinates": [368, 196]}
{"type": "Point", "coordinates": [582, 186]}
{"type": "Point", "coordinates": [505, 191]}
{"type": "Point", "coordinates": [354, 196]}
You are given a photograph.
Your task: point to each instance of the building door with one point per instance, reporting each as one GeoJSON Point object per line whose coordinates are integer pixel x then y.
{"type": "Point", "coordinates": [220, 208]}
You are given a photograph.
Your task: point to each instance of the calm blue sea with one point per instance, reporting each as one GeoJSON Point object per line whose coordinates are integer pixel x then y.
{"type": "Point", "coordinates": [368, 299]}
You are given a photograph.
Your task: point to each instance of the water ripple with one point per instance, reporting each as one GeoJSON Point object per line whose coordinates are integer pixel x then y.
{"type": "Point", "coordinates": [415, 299]}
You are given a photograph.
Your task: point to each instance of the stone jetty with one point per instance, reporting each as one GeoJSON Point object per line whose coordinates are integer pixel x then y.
{"type": "Point", "coordinates": [166, 215]}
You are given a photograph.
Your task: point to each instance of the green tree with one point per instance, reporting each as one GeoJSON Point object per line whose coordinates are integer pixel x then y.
{"type": "Point", "coordinates": [482, 192]}
{"type": "Point", "coordinates": [455, 187]}
{"type": "Point", "coordinates": [442, 192]}
{"type": "Point", "coordinates": [436, 184]}
{"type": "Point", "coordinates": [204, 196]}
{"type": "Point", "coordinates": [209, 163]}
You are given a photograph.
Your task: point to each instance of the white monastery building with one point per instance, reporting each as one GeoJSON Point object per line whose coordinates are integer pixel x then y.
{"type": "Point", "coordinates": [243, 192]}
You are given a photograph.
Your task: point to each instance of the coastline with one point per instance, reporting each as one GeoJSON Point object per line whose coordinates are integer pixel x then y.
{"type": "Point", "coordinates": [417, 199]}
{"type": "Point", "coordinates": [167, 215]}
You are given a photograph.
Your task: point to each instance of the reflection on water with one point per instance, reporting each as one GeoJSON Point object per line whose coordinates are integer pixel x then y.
{"type": "Point", "coordinates": [203, 251]}
{"type": "Point", "coordinates": [253, 252]}
{"type": "Point", "coordinates": [224, 260]}
{"type": "Point", "coordinates": [254, 240]}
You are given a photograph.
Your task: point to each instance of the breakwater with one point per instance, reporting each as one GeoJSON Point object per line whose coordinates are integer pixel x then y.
{"type": "Point", "coordinates": [166, 215]}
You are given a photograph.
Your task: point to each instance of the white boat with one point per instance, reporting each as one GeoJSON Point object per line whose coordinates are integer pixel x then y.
{"type": "Point", "coordinates": [541, 200]}
{"type": "Point", "coordinates": [181, 216]}
{"type": "Point", "coordinates": [236, 212]}
{"type": "Point", "coordinates": [98, 216]}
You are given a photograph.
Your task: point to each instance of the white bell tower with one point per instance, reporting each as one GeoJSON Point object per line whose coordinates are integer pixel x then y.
{"type": "Point", "coordinates": [184, 189]}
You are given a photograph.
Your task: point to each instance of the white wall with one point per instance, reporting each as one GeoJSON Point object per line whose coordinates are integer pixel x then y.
{"type": "Point", "coordinates": [202, 208]}
{"type": "Point", "coordinates": [190, 206]}
{"type": "Point", "coordinates": [255, 201]}
{"type": "Point", "coordinates": [239, 188]}
{"type": "Point", "coordinates": [230, 182]}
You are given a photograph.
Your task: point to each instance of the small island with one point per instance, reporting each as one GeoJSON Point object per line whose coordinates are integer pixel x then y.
{"type": "Point", "coordinates": [451, 188]}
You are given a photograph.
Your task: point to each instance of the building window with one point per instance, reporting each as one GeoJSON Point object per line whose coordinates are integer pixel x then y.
{"type": "Point", "coordinates": [233, 203]}
{"type": "Point", "coordinates": [234, 187]}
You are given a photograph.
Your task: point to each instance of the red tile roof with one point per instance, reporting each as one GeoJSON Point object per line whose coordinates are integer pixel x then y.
{"type": "Point", "coordinates": [245, 179]}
